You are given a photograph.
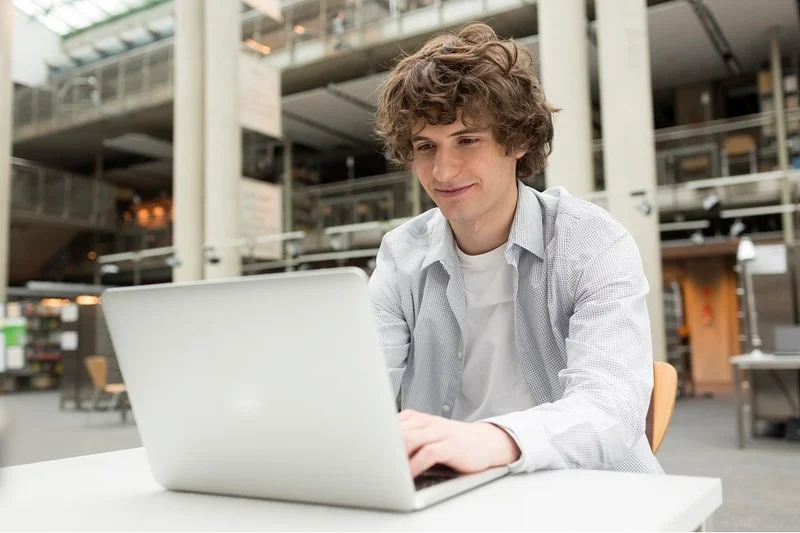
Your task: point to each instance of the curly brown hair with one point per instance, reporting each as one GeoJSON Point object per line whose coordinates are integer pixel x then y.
{"type": "Point", "coordinates": [474, 72]}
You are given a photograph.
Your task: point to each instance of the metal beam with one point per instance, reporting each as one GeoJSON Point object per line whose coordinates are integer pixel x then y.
{"type": "Point", "coordinates": [334, 90]}
{"type": "Point", "coordinates": [327, 129]}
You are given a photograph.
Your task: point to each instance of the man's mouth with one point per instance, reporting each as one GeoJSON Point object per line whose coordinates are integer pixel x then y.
{"type": "Point", "coordinates": [452, 192]}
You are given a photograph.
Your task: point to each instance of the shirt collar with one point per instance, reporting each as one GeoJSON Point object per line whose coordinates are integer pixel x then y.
{"type": "Point", "coordinates": [526, 231]}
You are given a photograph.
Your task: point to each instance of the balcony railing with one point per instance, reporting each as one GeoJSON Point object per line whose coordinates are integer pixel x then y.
{"type": "Point", "coordinates": [43, 194]}
{"type": "Point", "coordinates": [144, 77]}
{"type": "Point", "coordinates": [727, 147]}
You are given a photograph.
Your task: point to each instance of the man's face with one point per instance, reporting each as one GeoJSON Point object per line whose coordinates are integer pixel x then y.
{"type": "Point", "coordinates": [463, 169]}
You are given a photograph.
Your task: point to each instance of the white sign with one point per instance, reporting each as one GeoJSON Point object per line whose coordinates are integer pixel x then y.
{"type": "Point", "coordinates": [69, 341]}
{"type": "Point", "coordinates": [262, 214]}
{"type": "Point", "coordinates": [69, 313]}
{"type": "Point", "coordinates": [15, 358]}
{"type": "Point", "coordinates": [259, 96]}
{"type": "Point", "coordinates": [2, 338]}
{"type": "Point", "coordinates": [770, 259]}
{"type": "Point", "coordinates": [270, 8]}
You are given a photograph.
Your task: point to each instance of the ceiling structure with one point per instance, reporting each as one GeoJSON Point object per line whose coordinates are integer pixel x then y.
{"type": "Point", "coordinates": [683, 50]}
{"type": "Point", "coordinates": [66, 17]}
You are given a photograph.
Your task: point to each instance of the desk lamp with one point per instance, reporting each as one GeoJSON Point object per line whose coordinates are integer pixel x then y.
{"type": "Point", "coordinates": [745, 254]}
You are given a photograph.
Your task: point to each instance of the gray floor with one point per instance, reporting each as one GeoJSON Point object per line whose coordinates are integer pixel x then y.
{"type": "Point", "coordinates": [761, 485]}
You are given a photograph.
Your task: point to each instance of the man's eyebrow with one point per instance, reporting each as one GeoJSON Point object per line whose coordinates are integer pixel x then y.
{"type": "Point", "coordinates": [463, 131]}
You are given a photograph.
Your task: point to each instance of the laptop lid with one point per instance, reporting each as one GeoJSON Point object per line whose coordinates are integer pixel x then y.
{"type": "Point", "coordinates": [267, 386]}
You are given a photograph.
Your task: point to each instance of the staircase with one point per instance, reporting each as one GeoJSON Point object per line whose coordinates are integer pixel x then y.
{"type": "Point", "coordinates": [32, 245]}
{"type": "Point", "coordinates": [48, 209]}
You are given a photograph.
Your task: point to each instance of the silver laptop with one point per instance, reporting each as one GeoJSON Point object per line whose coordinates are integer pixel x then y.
{"type": "Point", "coordinates": [787, 340]}
{"type": "Point", "coordinates": [270, 387]}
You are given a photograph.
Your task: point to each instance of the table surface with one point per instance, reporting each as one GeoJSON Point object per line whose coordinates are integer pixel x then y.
{"type": "Point", "coordinates": [115, 491]}
{"type": "Point", "coordinates": [766, 361]}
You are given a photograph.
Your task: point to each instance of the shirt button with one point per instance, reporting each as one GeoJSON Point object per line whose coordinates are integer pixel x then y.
{"type": "Point", "coordinates": [446, 408]}
{"type": "Point", "coordinates": [460, 355]}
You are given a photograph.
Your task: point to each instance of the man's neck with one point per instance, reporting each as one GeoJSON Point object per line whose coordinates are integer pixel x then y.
{"type": "Point", "coordinates": [489, 231]}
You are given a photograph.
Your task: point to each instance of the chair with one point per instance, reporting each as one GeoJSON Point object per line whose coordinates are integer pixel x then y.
{"type": "Point", "coordinates": [662, 403]}
{"type": "Point", "coordinates": [97, 366]}
{"type": "Point", "coordinates": [739, 146]}
{"type": "Point", "coordinates": [694, 167]}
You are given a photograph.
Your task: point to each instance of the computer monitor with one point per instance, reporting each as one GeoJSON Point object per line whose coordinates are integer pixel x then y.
{"type": "Point", "coordinates": [787, 340]}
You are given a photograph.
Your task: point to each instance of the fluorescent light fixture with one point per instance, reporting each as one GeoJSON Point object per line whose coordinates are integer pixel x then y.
{"type": "Point", "coordinates": [756, 211]}
{"type": "Point", "coordinates": [353, 228]}
{"type": "Point", "coordinates": [681, 226]}
{"type": "Point", "coordinates": [279, 237]}
{"type": "Point", "coordinates": [728, 181]}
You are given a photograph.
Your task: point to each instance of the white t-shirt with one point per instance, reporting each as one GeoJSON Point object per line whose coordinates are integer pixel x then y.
{"type": "Point", "coordinates": [492, 383]}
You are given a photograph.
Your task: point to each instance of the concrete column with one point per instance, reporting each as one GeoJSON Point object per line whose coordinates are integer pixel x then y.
{"type": "Point", "coordinates": [780, 130]}
{"type": "Point", "coordinates": [628, 142]}
{"type": "Point", "coordinates": [564, 71]}
{"type": "Point", "coordinates": [787, 188]}
{"type": "Point", "coordinates": [6, 121]}
{"type": "Point", "coordinates": [188, 161]}
{"type": "Point", "coordinates": [223, 136]}
{"type": "Point", "coordinates": [288, 189]}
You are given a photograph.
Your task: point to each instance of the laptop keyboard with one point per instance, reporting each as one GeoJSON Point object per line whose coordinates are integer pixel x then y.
{"type": "Point", "coordinates": [434, 476]}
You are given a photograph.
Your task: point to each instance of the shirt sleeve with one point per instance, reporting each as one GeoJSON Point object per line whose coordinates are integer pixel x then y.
{"type": "Point", "coordinates": [393, 330]}
{"type": "Point", "coordinates": [608, 378]}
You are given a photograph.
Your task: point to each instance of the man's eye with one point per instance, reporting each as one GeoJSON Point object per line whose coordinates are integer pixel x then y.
{"type": "Point", "coordinates": [468, 141]}
{"type": "Point", "coordinates": [423, 147]}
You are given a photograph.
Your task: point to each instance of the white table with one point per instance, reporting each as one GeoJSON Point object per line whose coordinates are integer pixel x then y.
{"type": "Point", "coordinates": [116, 491]}
{"type": "Point", "coordinates": [746, 363]}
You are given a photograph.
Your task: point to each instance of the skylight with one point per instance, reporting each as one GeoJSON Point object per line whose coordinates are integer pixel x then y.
{"type": "Point", "coordinates": [68, 16]}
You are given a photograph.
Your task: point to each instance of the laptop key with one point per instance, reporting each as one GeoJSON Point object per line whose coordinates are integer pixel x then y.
{"type": "Point", "coordinates": [434, 476]}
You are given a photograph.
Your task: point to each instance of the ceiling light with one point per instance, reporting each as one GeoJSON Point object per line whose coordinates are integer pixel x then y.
{"type": "Point", "coordinates": [261, 48]}
{"type": "Point", "coordinates": [746, 251]}
{"type": "Point", "coordinates": [711, 202]}
{"type": "Point", "coordinates": [698, 238]}
{"type": "Point", "coordinates": [87, 300]}
{"type": "Point", "coordinates": [109, 268]}
{"type": "Point", "coordinates": [737, 228]}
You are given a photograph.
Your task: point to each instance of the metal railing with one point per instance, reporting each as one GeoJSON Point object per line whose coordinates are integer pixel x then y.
{"type": "Point", "coordinates": [727, 147]}
{"type": "Point", "coordinates": [43, 194]}
{"type": "Point", "coordinates": [144, 77]}
{"type": "Point", "coordinates": [377, 198]}
{"type": "Point", "coordinates": [106, 89]}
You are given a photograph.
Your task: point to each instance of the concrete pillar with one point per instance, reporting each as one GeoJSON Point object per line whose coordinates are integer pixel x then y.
{"type": "Point", "coordinates": [188, 141]}
{"type": "Point", "coordinates": [288, 189]}
{"type": "Point", "coordinates": [223, 136]}
{"type": "Point", "coordinates": [6, 121]}
{"type": "Point", "coordinates": [776, 64]}
{"type": "Point", "coordinates": [628, 142]}
{"type": "Point", "coordinates": [564, 72]}
{"type": "Point", "coordinates": [415, 190]}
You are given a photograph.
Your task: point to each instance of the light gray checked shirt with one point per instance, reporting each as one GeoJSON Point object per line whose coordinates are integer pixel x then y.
{"type": "Point", "coordinates": [582, 331]}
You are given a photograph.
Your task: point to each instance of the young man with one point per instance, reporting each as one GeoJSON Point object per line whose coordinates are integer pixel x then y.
{"type": "Point", "coordinates": [513, 322]}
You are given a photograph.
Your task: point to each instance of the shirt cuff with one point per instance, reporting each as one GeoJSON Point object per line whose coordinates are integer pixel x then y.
{"type": "Point", "coordinates": [536, 453]}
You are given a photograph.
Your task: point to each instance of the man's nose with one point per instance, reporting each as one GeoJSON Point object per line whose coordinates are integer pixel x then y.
{"type": "Point", "coordinates": [446, 166]}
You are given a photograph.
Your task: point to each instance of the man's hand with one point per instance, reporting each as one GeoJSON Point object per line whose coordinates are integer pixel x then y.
{"type": "Point", "coordinates": [464, 447]}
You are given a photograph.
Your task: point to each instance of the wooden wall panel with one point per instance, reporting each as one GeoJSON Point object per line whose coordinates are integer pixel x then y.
{"type": "Point", "coordinates": [711, 314]}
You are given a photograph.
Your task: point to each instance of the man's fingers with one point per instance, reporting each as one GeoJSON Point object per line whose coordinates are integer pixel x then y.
{"type": "Point", "coordinates": [416, 438]}
{"type": "Point", "coordinates": [412, 420]}
{"type": "Point", "coordinates": [428, 456]}
{"type": "Point", "coordinates": [405, 414]}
